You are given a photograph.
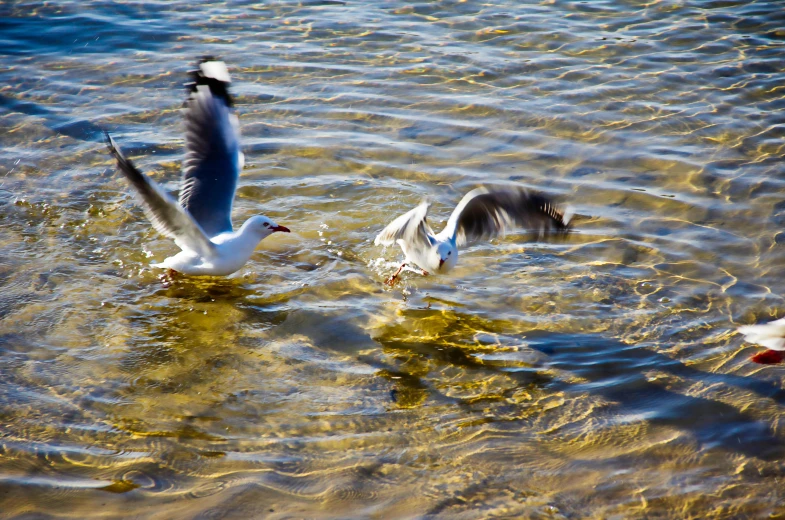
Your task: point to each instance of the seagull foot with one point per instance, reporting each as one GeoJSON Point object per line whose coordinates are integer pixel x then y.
{"type": "Point", "coordinates": [394, 278]}
{"type": "Point", "coordinates": [168, 278]}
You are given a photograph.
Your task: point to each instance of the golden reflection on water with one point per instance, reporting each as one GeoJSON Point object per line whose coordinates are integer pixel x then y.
{"type": "Point", "coordinates": [595, 377]}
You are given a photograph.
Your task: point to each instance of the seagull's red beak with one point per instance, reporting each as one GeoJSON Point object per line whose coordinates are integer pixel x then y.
{"type": "Point", "coordinates": [282, 229]}
{"type": "Point", "coordinates": [768, 357]}
{"type": "Point", "coordinates": [441, 262]}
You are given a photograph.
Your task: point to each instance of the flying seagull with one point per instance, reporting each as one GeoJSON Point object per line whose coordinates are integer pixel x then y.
{"type": "Point", "coordinates": [482, 213]}
{"type": "Point", "coordinates": [200, 224]}
{"type": "Point", "coordinates": [770, 335]}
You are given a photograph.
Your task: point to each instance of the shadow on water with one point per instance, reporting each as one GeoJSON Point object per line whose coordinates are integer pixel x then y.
{"type": "Point", "coordinates": [426, 343]}
{"type": "Point", "coordinates": [194, 323]}
{"type": "Point", "coordinates": [617, 372]}
{"type": "Point", "coordinates": [606, 367]}
{"type": "Point", "coordinates": [204, 289]}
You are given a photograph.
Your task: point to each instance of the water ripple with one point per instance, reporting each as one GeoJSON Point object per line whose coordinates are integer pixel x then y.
{"type": "Point", "coordinates": [598, 376]}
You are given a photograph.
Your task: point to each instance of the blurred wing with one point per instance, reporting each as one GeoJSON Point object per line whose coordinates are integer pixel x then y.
{"type": "Point", "coordinates": [167, 217]}
{"type": "Point", "coordinates": [212, 150]}
{"type": "Point", "coordinates": [412, 228]}
{"type": "Point", "coordinates": [483, 213]}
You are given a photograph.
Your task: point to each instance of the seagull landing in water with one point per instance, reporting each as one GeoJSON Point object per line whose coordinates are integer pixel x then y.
{"type": "Point", "coordinates": [482, 213]}
{"type": "Point", "coordinates": [770, 335]}
{"type": "Point", "coordinates": [201, 223]}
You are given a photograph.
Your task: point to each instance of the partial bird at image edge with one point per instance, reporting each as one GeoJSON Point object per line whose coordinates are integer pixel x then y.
{"type": "Point", "coordinates": [770, 335]}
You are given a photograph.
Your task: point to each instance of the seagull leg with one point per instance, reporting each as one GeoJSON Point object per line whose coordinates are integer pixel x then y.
{"type": "Point", "coordinates": [394, 278]}
{"type": "Point", "coordinates": [424, 272]}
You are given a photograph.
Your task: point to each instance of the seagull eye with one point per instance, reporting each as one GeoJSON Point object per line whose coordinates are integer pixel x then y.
{"type": "Point", "coordinates": [265, 224]}
{"type": "Point", "coordinates": [449, 253]}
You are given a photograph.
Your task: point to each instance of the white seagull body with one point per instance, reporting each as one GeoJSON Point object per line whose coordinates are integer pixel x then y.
{"type": "Point", "coordinates": [200, 224]}
{"type": "Point", "coordinates": [770, 335]}
{"type": "Point", "coordinates": [482, 213]}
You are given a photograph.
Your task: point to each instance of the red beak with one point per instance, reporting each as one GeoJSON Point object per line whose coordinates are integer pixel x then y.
{"type": "Point", "coordinates": [441, 262]}
{"type": "Point", "coordinates": [282, 229]}
{"type": "Point", "coordinates": [768, 357]}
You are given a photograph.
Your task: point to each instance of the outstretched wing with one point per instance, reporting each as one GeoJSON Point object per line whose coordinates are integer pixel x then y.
{"type": "Point", "coordinates": [212, 149]}
{"type": "Point", "coordinates": [166, 215]}
{"type": "Point", "coordinates": [485, 213]}
{"type": "Point", "coordinates": [411, 228]}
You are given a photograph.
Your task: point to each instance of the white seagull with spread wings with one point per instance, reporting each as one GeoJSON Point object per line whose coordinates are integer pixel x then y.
{"type": "Point", "coordinates": [201, 224]}
{"type": "Point", "coordinates": [482, 213]}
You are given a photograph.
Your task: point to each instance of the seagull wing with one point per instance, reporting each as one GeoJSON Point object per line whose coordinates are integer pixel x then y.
{"type": "Point", "coordinates": [167, 217]}
{"type": "Point", "coordinates": [412, 228]}
{"type": "Point", "coordinates": [483, 213]}
{"type": "Point", "coordinates": [212, 149]}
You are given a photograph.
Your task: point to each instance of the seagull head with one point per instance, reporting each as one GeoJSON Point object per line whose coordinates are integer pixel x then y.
{"type": "Point", "coordinates": [264, 227]}
{"type": "Point", "coordinates": [448, 256]}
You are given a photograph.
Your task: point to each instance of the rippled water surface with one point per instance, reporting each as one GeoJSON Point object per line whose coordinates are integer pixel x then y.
{"type": "Point", "coordinates": [596, 377]}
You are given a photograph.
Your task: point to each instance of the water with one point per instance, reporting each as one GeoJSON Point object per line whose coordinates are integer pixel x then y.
{"type": "Point", "coordinates": [596, 377]}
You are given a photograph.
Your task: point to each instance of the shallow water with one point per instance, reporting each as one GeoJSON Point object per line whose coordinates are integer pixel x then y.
{"type": "Point", "coordinates": [595, 377]}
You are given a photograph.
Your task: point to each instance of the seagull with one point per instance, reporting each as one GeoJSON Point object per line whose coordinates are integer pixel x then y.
{"type": "Point", "coordinates": [770, 335]}
{"type": "Point", "coordinates": [200, 223]}
{"type": "Point", "coordinates": [482, 213]}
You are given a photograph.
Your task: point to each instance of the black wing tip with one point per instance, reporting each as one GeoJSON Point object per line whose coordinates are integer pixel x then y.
{"type": "Point", "coordinates": [561, 219]}
{"type": "Point", "coordinates": [126, 166]}
{"type": "Point", "coordinates": [219, 87]}
{"type": "Point", "coordinates": [208, 58]}
{"type": "Point", "coordinates": [113, 146]}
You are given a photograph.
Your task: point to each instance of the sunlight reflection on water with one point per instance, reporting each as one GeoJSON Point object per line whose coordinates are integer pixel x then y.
{"type": "Point", "coordinates": [598, 376]}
